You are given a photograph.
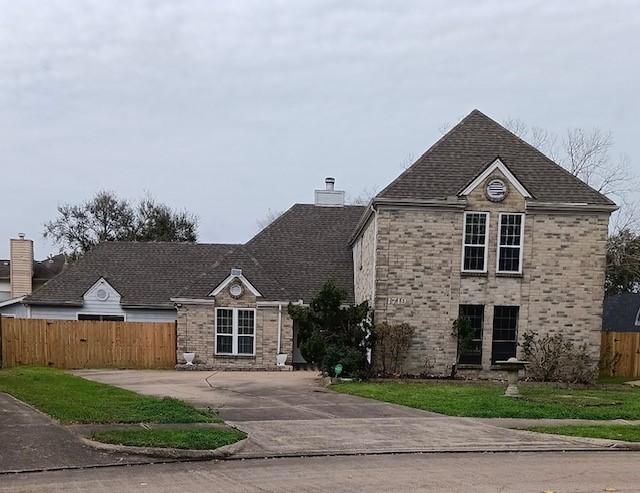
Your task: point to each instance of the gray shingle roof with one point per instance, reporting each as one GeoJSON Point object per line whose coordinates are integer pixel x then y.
{"type": "Point", "coordinates": [306, 246]}
{"type": "Point", "coordinates": [620, 312]}
{"type": "Point", "coordinates": [42, 269]}
{"type": "Point", "coordinates": [289, 260]}
{"type": "Point", "coordinates": [467, 149]}
{"type": "Point", "coordinates": [292, 257]}
{"type": "Point", "coordinates": [143, 273]}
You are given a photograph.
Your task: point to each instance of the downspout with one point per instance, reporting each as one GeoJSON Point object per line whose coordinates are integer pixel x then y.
{"type": "Point", "coordinates": [375, 259]}
{"type": "Point", "coordinates": [279, 328]}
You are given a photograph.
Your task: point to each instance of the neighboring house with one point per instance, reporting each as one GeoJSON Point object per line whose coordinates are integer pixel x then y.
{"type": "Point", "coordinates": [21, 274]}
{"type": "Point", "coordinates": [621, 313]}
{"type": "Point", "coordinates": [482, 226]}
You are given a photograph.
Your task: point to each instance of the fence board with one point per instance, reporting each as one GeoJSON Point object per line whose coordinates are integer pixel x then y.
{"type": "Point", "coordinates": [88, 343]}
{"type": "Point", "coordinates": [620, 354]}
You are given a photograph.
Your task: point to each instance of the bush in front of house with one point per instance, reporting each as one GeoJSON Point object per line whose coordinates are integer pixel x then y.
{"type": "Point", "coordinates": [554, 358]}
{"type": "Point", "coordinates": [332, 332]}
{"type": "Point", "coordinates": [392, 343]}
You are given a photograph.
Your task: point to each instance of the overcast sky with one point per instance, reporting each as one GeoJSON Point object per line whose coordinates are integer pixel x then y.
{"type": "Point", "coordinates": [231, 108]}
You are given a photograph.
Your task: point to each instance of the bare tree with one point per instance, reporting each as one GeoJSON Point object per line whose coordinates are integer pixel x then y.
{"type": "Point", "coordinates": [363, 198]}
{"type": "Point", "coordinates": [586, 154]}
{"type": "Point", "coordinates": [268, 218]}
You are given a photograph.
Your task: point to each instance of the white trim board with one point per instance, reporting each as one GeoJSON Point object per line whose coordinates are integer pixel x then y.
{"type": "Point", "coordinates": [500, 166]}
{"type": "Point", "coordinates": [228, 281]}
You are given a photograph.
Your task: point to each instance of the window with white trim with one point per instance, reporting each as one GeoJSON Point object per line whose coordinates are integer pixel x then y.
{"type": "Point", "coordinates": [510, 233]}
{"type": "Point", "coordinates": [475, 241]}
{"type": "Point", "coordinates": [235, 331]}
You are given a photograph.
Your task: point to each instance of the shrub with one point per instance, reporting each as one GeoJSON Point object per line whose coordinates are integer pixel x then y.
{"type": "Point", "coordinates": [553, 358]}
{"type": "Point", "coordinates": [330, 332]}
{"type": "Point", "coordinates": [391, 345]}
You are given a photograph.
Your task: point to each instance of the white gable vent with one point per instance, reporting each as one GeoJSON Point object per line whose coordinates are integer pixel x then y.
{"type": "Point", "coordinates": [496, 190]}
{"type": "Point", "coordinates": [102, 294]}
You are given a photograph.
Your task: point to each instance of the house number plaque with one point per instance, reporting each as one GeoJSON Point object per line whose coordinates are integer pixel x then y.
{"type": "Point", "coordinates": [398, 301]}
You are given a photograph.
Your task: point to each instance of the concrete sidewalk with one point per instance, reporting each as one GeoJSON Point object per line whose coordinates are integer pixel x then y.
{"type": "Point", "coordinates": [292, 414]}
{"type": "Point", "coordinates": [31, 441]}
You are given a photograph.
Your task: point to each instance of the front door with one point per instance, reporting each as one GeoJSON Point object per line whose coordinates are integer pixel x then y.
{"type": "Point", "coordinates": [505, 332]}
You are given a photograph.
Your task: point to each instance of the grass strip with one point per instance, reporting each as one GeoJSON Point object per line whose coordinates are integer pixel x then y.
{"type": "Point", "coordinates": [627, 433]}
{"type": "Point", "coordinates": [71, 399]}
{"type": "Point", "coordinates": [200, 439]}
{"type": "Point", "coordinates": [486, 400]}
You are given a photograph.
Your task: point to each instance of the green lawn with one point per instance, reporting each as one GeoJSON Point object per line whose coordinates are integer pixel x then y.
{"type": "Point", "coordinates": [72, 399]}
{"type": "Point", "coordinates": [202, 439]}
{"type": "Point", "coordinates": [628, 433]}
{"type": "Point", "coordinates": [486, 400]}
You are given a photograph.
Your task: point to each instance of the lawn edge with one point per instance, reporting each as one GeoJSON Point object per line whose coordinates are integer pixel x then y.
{"type": "Point", "coordinates": [168, 452]}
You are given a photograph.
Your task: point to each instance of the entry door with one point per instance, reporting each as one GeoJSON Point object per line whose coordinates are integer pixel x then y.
{"type": "Point", "coordinates": [505, 332]}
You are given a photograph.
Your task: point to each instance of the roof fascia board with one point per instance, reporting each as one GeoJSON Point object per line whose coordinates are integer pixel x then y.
{"type": "Point", "coordinates": [53, 303]}
{"type": "Point", "coordinates": [149, 307]}
{"type": "Point", "coordinates": [11, 301]}
{"type": "Point", "coordinates": [194, 301]}
{"type": "Point", "coordinates": [500, 166]}
{"type": "Point", "coordinates": [534, 207]}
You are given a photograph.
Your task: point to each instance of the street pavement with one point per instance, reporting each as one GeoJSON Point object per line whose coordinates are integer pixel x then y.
{"type": "Point", "coordinates": [30, 440]}
{"type": "Point", "coordinates": [291, 414]}
{"type": "Point", "coordinates": [478, 473]}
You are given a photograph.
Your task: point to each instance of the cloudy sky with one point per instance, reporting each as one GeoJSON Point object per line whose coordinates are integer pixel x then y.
{"type": "Point", "coordinates": [229, 109]}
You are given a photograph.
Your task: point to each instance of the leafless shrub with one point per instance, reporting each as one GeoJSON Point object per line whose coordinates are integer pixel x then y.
{"type": "Point", "coordinates": [392, 342]}
{"type": "Point", "coordinates": [553, 358]}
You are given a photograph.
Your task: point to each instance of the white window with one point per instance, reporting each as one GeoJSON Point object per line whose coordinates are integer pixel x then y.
{"type": "Point", "coordinates": [474, 241]}
{"type": "Point", "coordinates": [510, 237]}
{"type": "Point", "coordinates": [235, 331]}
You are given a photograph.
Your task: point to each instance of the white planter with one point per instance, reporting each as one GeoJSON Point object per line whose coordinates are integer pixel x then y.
{"type": "Point", "coordinates": [281, 359]}
{"type": "Point", "coordinates": [188, 357]}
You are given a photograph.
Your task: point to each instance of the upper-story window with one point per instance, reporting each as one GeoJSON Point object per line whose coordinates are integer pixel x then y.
{"type": "Point", "coordinates": [510, 234]}
{"type": "Point", "coordinates": [475, 240]}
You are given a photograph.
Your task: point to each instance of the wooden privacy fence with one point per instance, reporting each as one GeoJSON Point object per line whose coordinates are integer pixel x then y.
{"type": "Point", "coordinates": [87, 343]}
{"type": "Point", "coordinates": [620, 354]}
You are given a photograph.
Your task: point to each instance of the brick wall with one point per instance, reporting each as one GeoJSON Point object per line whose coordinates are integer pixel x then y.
{"type": "Point", "coordinates": [196, 333]}
{"type": "Point", "coordinates": [419, 279]}
{"type": "Point", "coordinates": [364, 263]}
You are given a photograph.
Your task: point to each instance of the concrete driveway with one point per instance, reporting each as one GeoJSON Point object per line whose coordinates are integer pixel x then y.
{"type": "Point", "coordinates": [292, 414]}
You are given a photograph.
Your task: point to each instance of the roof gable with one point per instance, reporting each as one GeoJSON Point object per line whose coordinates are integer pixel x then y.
{"type": "Point", "coordinates": [491, 168]}
{"type": "Point", "coordinates": [101, 291]}
{"type": "Point", "coordinates": [233, 277]}
{"type": "Point", "coordinates": [460, 156]}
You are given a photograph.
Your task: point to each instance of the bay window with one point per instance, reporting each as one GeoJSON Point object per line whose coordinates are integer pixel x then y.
{"type": "Point", "coordinates": [235, 331]}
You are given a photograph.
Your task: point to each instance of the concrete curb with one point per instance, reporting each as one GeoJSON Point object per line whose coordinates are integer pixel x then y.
{"type": "Point", "coordinates": [170, 453]}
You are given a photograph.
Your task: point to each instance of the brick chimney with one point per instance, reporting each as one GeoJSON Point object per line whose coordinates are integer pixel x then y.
{"type": "Point", "coordinates": [21, 273]}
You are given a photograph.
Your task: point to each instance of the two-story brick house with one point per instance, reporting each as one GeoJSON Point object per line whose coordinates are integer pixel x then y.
{"type": "Point", "coordinates": [486, 226]}
{"type": "Point", "coordinates": [482, 225]}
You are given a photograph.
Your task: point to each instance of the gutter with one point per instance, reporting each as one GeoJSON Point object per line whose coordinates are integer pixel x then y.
{"type": "Point", "coordinates": [450, 203]}
{"type": "Point", "coordinates": [569, 207]}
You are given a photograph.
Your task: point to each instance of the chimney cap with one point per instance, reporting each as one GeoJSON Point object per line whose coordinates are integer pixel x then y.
{"type": "Point", "coordinates": [21, 236]}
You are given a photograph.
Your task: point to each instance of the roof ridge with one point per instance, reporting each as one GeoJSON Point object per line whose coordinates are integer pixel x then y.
{"type": "Point", "coordinates": [433, 147]}
{"type": "Point", "coordinates": [547, 158]}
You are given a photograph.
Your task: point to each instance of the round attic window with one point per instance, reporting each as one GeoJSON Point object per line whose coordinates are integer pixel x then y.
{"type": "Point", "coordinates": [496, 190]}
{"type": "Point", "coordinates": [235, 290]}
{"type": "Point", "coordinates": [102, 294]}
